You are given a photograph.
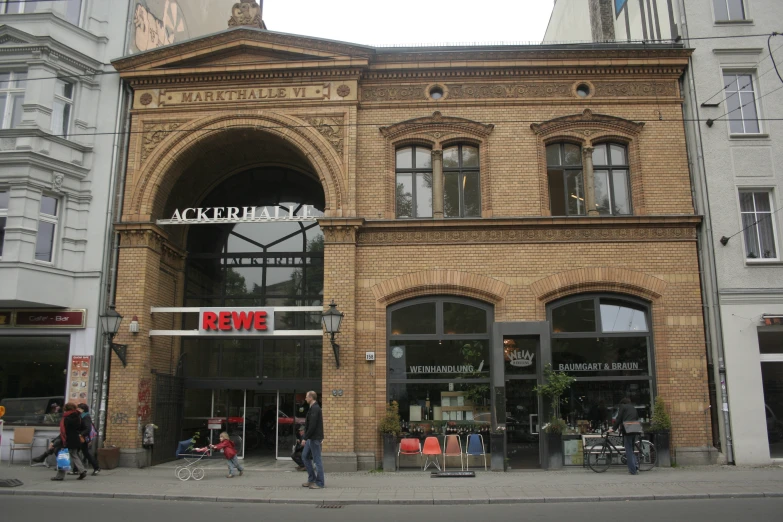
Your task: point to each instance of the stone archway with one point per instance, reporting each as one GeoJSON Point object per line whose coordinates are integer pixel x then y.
{"type": "Point", "coordinates": [162, 166]}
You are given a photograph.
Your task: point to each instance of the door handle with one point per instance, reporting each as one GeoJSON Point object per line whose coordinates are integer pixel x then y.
{"type": "Point", "coordinates": [533, 425]}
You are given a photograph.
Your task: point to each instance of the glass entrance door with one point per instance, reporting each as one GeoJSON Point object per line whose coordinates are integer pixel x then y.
{"type": "Point", "coordinates": [522, 424]}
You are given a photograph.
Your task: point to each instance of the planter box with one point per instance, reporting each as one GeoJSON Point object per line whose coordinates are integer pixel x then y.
{"type": "Point", "coordinates": [497, 448]}
{"type": "Point", "coordinates": [389, 453]}
{"type": "Point", "coordinates": [661, 441]}
{"type": "Point", "coordinates": [108, 458]}
{"type": "Point", "coordinates": [554, 451]}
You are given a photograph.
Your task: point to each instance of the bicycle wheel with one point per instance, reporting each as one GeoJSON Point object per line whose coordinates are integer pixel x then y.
{"type": "Point", "coordinates": [599, 459]}
{"type": "Point", "coordinates": [183, 473]}
{"type": "Point", "coordinates": [645, 452]}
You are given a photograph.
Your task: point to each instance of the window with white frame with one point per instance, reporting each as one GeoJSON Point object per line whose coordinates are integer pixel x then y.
{"type": "Point", "coordinates": [72, 13]}
{"type": "Point", "coordinates": [62, 108]}
{"type": "Point", "coordinates": [758, 224]}
{"type": "Point", "coordinates": [741, 103]}
{"type": "Point", "coordinates": [3, 217]}
{"type": "Point", "coordinates": [47, 228]}
{"type": "Point", "coordinates": [728, 10]}
{"type": "Point", "coordinates": [12, 86]}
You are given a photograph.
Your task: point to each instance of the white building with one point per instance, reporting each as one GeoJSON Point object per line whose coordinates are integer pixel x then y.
{"type": "Point", "coordinates": [733, 96]}
{"type": "Point", "coordinates": [60, 143]}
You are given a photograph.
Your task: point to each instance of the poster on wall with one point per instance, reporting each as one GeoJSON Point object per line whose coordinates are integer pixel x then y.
{"type": "Point", "coordinates": [155, 23]}
{"type": "Point", "coordinates": [79, 388]}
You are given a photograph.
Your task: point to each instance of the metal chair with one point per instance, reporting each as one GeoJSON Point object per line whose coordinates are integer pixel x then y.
{"type": "Point", "coordinates": [408, 446]}
{"type": "Point", "coordinates": [452, 447]}
{"type": "Point", "coordinates": [475, 448]}
{"type": "Point", "coordinates": [22, 441]}
{"type": "Point", "coordinates": [431, 449]}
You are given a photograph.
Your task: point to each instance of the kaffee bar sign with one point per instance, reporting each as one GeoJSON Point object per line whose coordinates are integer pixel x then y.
{"type": "Point", "coordinates": [43, 318]}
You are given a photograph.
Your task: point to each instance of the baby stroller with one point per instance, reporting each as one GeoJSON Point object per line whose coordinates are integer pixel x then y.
{"type": "Point", "coordinates": [191, 468]}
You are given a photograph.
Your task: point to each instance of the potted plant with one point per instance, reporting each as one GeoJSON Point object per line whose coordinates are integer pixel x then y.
{"type": "Point", "coordinates": [660, 428]}
{"type": "Point", "coordinates": [390, 429]}
{"type": "Point", "coordinates": [555, 384]}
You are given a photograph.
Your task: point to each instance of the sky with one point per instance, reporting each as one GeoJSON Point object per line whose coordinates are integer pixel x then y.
{"type": "Point", "coordinates": [412, 21]}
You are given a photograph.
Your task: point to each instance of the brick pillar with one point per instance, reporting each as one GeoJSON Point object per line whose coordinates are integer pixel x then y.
{"type": "Point", "coordinates": [130, 387]}
{"type": "Point", "coordinates": [340, 285]}
{"type": "Point", "coordinates": [437, 184]}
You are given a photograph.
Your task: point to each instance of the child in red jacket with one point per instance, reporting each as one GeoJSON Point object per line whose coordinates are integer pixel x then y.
{"type": "Point", "coordinates": [230, 452]}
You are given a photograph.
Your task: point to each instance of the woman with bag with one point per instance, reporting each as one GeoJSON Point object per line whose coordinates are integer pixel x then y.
{"type": "Point", "coordinates": [70, 428]}
{"type": "Point", "coordinates": [628, 421]}
{"type": "Point", "coordinates": [87, 435]}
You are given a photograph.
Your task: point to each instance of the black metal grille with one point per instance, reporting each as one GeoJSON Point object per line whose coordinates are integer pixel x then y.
{"type": "Point", "coordinates": [10, 483]}
{"type": "Point", "coordinates": [167, 415]}
{"type": "Point", "coordinates": [329, 506]}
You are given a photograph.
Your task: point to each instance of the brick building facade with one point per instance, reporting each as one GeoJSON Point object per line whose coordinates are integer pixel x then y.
{"type": "Point", "coordinates": [344, 115]}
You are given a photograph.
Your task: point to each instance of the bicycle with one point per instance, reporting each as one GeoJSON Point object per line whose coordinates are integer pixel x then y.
{"type": "Point", "coordinates": [602, 455]}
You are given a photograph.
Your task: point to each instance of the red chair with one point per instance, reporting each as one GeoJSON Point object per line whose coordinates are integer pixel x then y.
{"type": "Point", "coordinates": [431, 449]}
{"type": "Point", "coordinates": [408, 447]}
{"type": "Point", "coordinates": [452, 447]}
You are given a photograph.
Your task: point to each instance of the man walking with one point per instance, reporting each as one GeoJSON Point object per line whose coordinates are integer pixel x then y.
{"type": "Point", "coordinates": [313, 438]}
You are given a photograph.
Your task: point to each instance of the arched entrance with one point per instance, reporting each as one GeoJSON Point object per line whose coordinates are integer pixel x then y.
{"type": "Point", "coordinates": [249, 383]}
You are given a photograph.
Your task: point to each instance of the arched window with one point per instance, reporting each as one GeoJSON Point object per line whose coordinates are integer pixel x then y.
{"type": "Point", "coordinates": [461, 183]}
{"type": "Point", "coordinates": [438, 361]}
{"type": "Point", "coordinates": [606, 343]}
{"type": "Point", "coordinates": [612, 186]}
{"type": "Point", "coordinates": [414, 182]}
{"type": "Point", "coordinates": [566, 179]}
{"type": "Point", "coordinates": [566, 186]}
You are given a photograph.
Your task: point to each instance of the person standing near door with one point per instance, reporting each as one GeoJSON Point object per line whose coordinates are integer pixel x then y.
{"type": "Point", "coordinates": [313, 439]}
{"type": "Point", "coordinates": [626, 413]}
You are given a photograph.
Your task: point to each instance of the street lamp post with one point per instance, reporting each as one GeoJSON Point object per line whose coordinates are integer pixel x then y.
{"type": "Point", "coordinates": [331, 320]}
{"type": "Point", "coordinates": [110, 325]}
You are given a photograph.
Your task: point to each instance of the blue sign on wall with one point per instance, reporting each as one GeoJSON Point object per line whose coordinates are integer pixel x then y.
{"type": "Point", "coordinates": [618, 6]}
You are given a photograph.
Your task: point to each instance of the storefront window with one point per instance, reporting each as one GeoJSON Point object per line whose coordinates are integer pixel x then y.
{"type": "Point", "coordinates": [33, 374]}
{"type": "Point", "coordinates": [771, 349]}
{"type": "Point", "coordinates": [605, 343]}
{"type": "Point", "coordinates": [438, 365]}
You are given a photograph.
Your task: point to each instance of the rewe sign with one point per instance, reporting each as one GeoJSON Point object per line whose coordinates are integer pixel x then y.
{"type": "Point", "coordinates": [236, 321]}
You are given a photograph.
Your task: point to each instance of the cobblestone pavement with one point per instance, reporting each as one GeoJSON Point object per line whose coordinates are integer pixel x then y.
{"type": "Point", "coordinates": [408, 487]}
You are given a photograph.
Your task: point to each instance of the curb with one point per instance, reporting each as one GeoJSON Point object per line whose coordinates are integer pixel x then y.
{"type": "Point", "coordinates": [402, 501]}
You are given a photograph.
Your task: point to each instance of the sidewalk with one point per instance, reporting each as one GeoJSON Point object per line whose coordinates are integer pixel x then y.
{"type": "Point", "coordinates": [408, 487]}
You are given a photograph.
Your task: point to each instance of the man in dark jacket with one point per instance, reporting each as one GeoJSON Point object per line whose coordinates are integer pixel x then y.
{"type": "Point", "coordinates": [70, 428]}
{"type": "Point", "coordinates": [313, 438]}
{"type": "Point", "coordinates": [86, 437]}
{"type": "Point", "coordinates": [296, 456]}
{"type": "Point", "coordinates": [627, 412]}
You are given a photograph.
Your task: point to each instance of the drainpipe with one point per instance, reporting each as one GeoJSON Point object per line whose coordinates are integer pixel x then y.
{"type": "Point", "coordinates": [109, 261]}
{"type": "Point", "coordinates": [706, 245]}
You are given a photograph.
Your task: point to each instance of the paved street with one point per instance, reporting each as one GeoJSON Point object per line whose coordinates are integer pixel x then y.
{"type": "Point", "coordinates": [21, 509]}
{"type": "Point", "coordinates": [410, 487]}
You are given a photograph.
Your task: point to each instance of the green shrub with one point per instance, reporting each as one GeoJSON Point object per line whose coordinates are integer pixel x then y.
{"type": "Point", "coordinates": [390, 424]}
{"type": "Point", "coordinates": [660, 419]}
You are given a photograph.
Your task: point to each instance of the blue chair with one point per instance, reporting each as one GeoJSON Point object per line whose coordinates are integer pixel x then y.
{"type": "Point", "coordinates": [475, 448]}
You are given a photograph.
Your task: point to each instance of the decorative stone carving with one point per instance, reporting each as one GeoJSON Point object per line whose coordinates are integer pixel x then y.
{"type": "Point", "coordinates": [246, 13]}
{"type": "Point", "coordinates": [343, 91]}
{"type": "Point", "coordinates": [574, 122]}
{"type": "Point", "coordinates": [154, 133]}
{"type": "Point", "coordinates": [510, 90]}
{"type": "Point", "coordinates": [527, 90]}
{"type": "Point", "coordinates": [329, 129]}
{"type": "Point", "coordinates": [141, 238]}
{"type": "Point", "coordinates": [395, 93]}
{"type": "Point", "coordinates": [145, 99]}
{"type": "Point", "coordinates": [442, 125]}
{"type": "Point", "coordinates": [614, 89]}
{"type": "Point", "coordinates": [57, 181]}
{"type": "Point", "coordinates": [522, 235]}
{"type": "Point", "coordinates": [340, 234]}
